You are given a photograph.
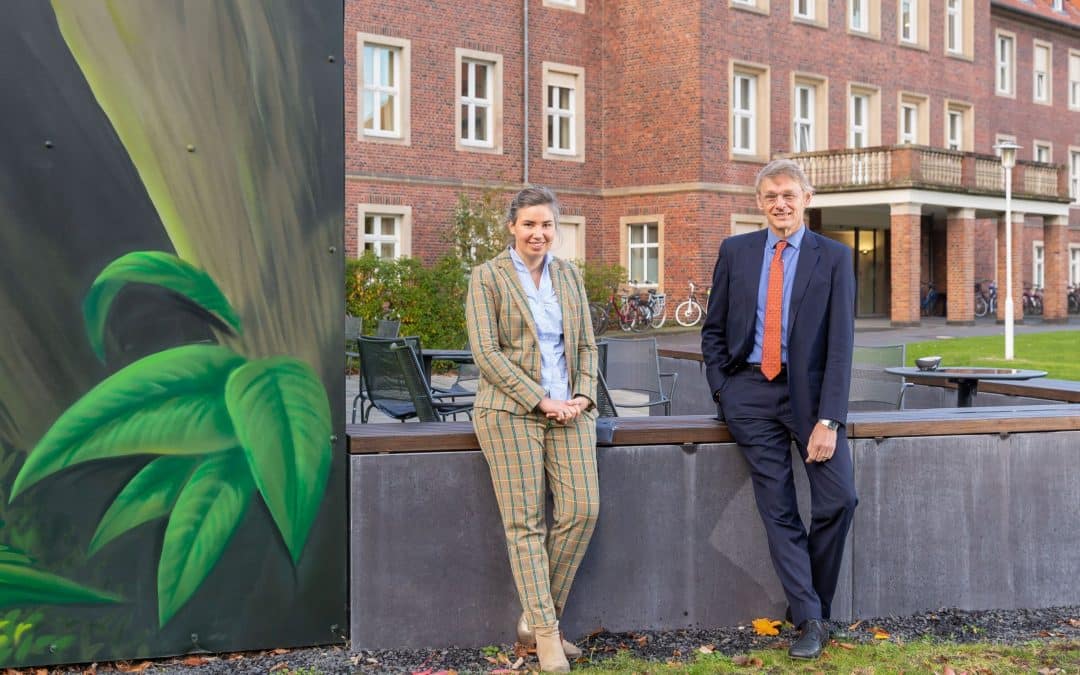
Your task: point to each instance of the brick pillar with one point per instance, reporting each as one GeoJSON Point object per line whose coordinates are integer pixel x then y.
{"type": "Point", "coordinates": [1017, 266]}
{"type": "Point", "coordinates": [960, 266]}
{"type": "Point", "coordinates": [904, 234]}
{"type": "Point", "coordinates": [1056, 258]}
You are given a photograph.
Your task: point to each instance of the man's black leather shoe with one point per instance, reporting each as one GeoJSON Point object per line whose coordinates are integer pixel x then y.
{"type": "Point", "coordinates": [814, 635]}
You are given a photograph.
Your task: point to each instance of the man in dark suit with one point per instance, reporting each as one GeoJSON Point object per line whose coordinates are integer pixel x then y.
{"type": "Point", "coordinates": [777, 344]}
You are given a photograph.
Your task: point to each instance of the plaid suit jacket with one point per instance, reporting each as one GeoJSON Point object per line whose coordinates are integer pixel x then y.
{"type": "Point", "coordinates": [504, 342]}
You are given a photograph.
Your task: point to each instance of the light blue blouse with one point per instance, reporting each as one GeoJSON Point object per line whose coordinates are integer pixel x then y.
{"type": "Point", "coordinates": [547, 315]}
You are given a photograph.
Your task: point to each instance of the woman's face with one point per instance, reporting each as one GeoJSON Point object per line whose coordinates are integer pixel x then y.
{"type": "Point", "coordinates": [533, 231]}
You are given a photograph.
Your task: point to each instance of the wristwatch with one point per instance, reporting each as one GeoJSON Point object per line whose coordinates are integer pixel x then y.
{"type": "Point", "coordinates": [831, 425]}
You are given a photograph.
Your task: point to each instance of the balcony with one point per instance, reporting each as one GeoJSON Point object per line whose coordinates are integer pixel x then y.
{"type": "Point", "coordinates": [916, 166]}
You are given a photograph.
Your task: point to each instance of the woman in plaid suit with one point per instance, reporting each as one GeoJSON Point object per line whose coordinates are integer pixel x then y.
{"type": "Point", "coordinates": [532, 339]}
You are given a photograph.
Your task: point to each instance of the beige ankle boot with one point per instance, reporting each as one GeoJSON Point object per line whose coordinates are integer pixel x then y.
{"type": "Point", "coordinates": [549, 649]}
{"type": "Point", "coordinates": [527, 639]}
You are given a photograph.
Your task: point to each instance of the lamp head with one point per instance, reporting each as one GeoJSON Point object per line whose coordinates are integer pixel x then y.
{"type": "Point", "coordinates": [1007, 150]}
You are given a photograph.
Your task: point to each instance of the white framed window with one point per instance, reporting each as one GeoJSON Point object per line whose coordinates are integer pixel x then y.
{"type": "Point", "coordinates": [1074, 174]}
{"type": "Point", "coordinates": [744, 114]}
{"type": "Point", "coordinates": [1004, 63]}
{"type": "Point", "coordinates": [479, 109]}
{"type": "Point", "coordinates": [564, 112]}
{"type": "Point", "coordinates": [864, 116]}
{"type": "Point", "coordinates": [809, 117]}
{"type": "Point", "coordinates": [641, 238]}
{"type": "Point", "coordinates": [1074, 79]}
{"type": "Point", "coordinates": [384, 88]}
{"type": "Point", "coordinates": [1059, 5]}
{"type": "Point", "coordinates": [1074, 264]}
{"type": "Point", "coordinates": [1002, 138]}
{"type": "Point", "coordinates": [859, 15]}
{"type": "Point", "coordinates": [909, 21]}
{"type": "Point", "coordinates": [909, 123]}
{"type": "Point", "coordinates": [959, 126]}
{"type": "Point", "coordinates": [954, 26]}
{"type": "Point", "coordinates": [1042, 151]}
{"type": "Point", "coordinates": [385, 230]}
{"type": "Point", "coordinates": [575, 5]}
{"type": "Point", "coordinates": [1041, 72]}
{"type": "Point", "coordinates": [1038, 264]}
{"type": "Point", "coordinates": [804, 9]}
{"type": "Point", "coordinates": [813, 12]}
{"type": "Point", "coordinates": [742, 223]}
{"type": "Point", "coordinates": [913, 120]}
{"type": "Point", "coordinates": [758, 6]}
{"type": "Point", "coordinates": [749, 117]}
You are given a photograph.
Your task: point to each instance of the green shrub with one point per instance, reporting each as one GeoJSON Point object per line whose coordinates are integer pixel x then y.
{"type": "Point", "coordinates": [601, 279]}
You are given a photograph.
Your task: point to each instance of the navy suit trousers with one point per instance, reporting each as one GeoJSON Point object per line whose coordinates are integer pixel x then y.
{"type": "Point", "coordinates": [758, 414]}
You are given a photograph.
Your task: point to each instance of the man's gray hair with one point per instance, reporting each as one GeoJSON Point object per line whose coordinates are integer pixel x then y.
{"type": "Point", "coordinates": [534, 195]}
{"type": "Point", "coordinates": [783, 167]}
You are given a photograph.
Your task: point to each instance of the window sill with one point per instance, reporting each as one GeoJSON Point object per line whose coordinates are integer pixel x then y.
{"type": "Point", "coordinates": [389, 140]}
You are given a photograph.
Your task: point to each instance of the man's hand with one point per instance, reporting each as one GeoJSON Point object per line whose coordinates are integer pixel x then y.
{"type": "Point", "coordinates": [822, 444]}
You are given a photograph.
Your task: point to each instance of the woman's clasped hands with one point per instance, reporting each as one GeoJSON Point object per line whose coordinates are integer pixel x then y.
{"type": "Point", "coordinates": [563, 412]}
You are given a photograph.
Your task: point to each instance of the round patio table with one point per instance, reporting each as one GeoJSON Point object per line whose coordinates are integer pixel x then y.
{"type": "Point", "coordinates": [967, 378]}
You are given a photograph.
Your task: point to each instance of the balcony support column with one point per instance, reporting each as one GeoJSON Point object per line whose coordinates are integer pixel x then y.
{"type": "Point", "coordinates": [904, 238]}
{"type": "Point", "coordinates": [1056, 269]}
{"type": "Point", "coordinates": [960, 263]}
{"type": "Point", "coordinates": [1017, 266]}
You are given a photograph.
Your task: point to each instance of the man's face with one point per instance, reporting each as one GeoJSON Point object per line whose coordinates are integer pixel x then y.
{"type": "Point", "coordinates": [783, 201]}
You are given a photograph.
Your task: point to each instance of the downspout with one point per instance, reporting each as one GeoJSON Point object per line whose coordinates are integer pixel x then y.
{"type": "Point", "coordinates": [525, 94]}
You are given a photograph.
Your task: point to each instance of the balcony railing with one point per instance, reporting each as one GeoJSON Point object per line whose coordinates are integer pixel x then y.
{"type": "Point", "coordinates": [904, 166]}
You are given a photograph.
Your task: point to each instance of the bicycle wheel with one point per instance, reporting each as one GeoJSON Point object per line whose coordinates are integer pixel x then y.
{"type": "Point", "coordinates": [1074, 304]}
{"type": "Point", "coordinates": [599, 315]}
{"type": "Point", "coordinates": [980, 306]}
{"type": "Point", "coordinates": [626, 316]}
{"type": "Point", "coordinates": [642, 318]}
{"type": "Point", "coordinates": [658, 318]}
{"type": "Point", "coordinates": [688, 313]}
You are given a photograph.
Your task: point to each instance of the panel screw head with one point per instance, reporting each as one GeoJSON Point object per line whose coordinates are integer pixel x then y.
{"type": "Point", "coordinates": [333, 249]}
{"type": "Point", "coordinates": [48, 144]}
{"type": "Point", "coordinates": [330, 58]}
{"type": "Point", "coordinates": [333, 438]}
{"type": "Point", "coordinates": [190, 148]}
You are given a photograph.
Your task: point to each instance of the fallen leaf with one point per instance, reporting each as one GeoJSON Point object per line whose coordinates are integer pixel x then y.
{"type": "Point", "coordinates": [643, 640]}
{"type": "Point", "coordinates": [845, 645]}
{"type": "Point", "coordinates": [1050, 671]}
{"type": "Point", "coordinates": [278, 666]}
{"type": "Point", "coordinates": [194, 660]}
{"type": "Point", "coordinates": [521, 651]}
{"type": "Point", "coordinates": [1074, 623]}
{"type": "Point", "coordinates": [279, 651]}
{"type": "Point", "coordinates": [766, 626]}
{"type": "Point", "coordinates": [517, 664]}
{"type": "Point", "coordinates": [707, 649]}
{"type": "Point", "coordinates": [490, 659]}
{"type": "Point", "coordinates": [744, 660]}
{"type": "Point", "coordinates": [880, 633]}
{"type": "Point", "coordinates": [855, 625]}
{"type": "Point", "coordinates": [122, 667]}
{"type": "Point", "coordinates": [501, 671]}
{"type": "Point", "coordinates": [596, 632]}
{"type": "Point", "coordinates": [503, 659]}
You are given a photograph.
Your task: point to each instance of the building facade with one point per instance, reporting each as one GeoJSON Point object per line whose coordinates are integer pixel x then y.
{"type": "Point", "coordinates": [650, 120]}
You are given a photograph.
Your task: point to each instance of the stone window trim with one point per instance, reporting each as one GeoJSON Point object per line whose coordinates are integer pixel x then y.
{"type": "Point", "coordinates": [404, 47]}
{"type": "Point", "coordinates": [1005, 69]}
{"type": "Point", "coordinates": [873, 121]}
{"type": "Point", "coordinates": [579, 237]}
{"type": "Point", "coordinates": [624, 244]}
{"type": "Point", "coordinates": [921, 103]}
{"type": "Point", "coordinates": [755, 6]}
{"type": "Point", "coordinates": [404, 233]}
{"type": "Point", "coordinates": [967, 117]}
{"type": "Point", "coordinates": [559, 74]}
{"type": "Point", "coordinates": [1048, 97]}
{"type": "Point", "coordinates": [818, 15]}
{"type": "Point", "coordinates": [1074, 264]}
{"type": "Point", "coordinates": [921, 34]}
{"type": "Point", "coordinates": [761, 123]}
{"type": "Point", "coordinates": [1037, 145]}
{"type": "Point", "coordinates": [1074, 79]}
{"type": "Point", "coordinates": [572, 5]}
{"type": "Point", "coordinates": [820, 86]}
{"type": "Point", "coordinates": [967, 31]}
{"type": "Point", "coordinates": [1074, 174]}
{"type": "Point", "coordinates": [747, 222]}
{"type": "Point", "coordinates": [495, 62]}
{"type": "Point", "coordinates": [1038, 263]}
{"type": "Point", "coordinates": [871, 19]}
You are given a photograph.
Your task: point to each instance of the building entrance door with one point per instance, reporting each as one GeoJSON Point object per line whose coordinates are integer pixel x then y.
{"type": "Point", "coordinates": [870, 249]}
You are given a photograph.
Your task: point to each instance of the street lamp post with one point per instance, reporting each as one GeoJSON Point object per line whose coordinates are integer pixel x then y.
{"type": "Point", "coordinates": [1007, 150]}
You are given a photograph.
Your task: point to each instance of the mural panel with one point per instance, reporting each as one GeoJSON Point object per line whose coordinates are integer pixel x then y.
{"type": "Point", "coordinates": [171, 226]}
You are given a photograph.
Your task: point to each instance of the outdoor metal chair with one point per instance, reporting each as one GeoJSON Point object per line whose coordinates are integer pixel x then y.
{"type": "Point", "coordinates": [388, 328]}
{"type": "Point", "coordinates": [417, 386]}
{"type": "Point", "coordinates": [633, 374]}
{"type": "Point", "coordinates": [604, 406]}
{"type": "Point", "coordinates": [385, 383]}
{"type": "Point", "coordinates": [871, 387]}
{"type": "Point", "coordinates": [353, 328]}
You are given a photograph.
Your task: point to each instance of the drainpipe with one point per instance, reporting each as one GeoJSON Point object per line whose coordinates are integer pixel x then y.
{"type": "Point", "coordinates": [525, 93]}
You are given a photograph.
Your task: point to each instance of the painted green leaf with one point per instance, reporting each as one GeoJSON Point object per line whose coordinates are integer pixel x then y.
{"type": "Point", "coordinates": [23, 585]}
{"type": "Point", "coordinates": [10, 555]}
{"type": "Point", "coordinates": [159, 269]}
{"type": "Point", "coordinates": [149, 495]}
{"type": "Point", "coordinates": [282, 418]}
{"type": "Point", "coordinates": [207, 512]}
{"type": "Point", "coordinates": [169, 403]}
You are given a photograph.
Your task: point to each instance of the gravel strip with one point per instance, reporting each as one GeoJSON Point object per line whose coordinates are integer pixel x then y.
{"type": "Point", "coordinates": [1000, 626]}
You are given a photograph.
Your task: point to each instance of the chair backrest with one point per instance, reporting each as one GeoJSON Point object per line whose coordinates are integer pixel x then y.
{"type": "Point", "coordinates": [604, 405]}
{"type": "Point", "coordinates": [419, 391]}
{"type": "Point", "coordinates": [388, 328]}
{"type": "Point", "coordinates": [634, 365]}
{"type": "Point", "coordinates": [353, 328]}
{"type": "Point", "coordinates": [871, 387]}
{"type": "Point", "coordinates": [383, 379]}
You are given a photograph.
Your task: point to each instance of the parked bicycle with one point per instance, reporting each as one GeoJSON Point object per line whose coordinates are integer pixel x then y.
{"type": "Point", "coordinates": [689, 312]}
{"type": "Point", "coordinates": [927, 306]}
{"type": "Point", "coordinates": [1031, 301]}
{"type": "Point", "coordinates": [985, 298]}
{"type": "Point", "coordinates": [1074, 299]}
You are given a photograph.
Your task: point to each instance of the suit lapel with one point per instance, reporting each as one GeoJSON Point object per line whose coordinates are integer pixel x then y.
{"type": "Point", "coordinates": [517, 293]}
{"type": "Point", "coordinates": [808, 260]}
{"type": "Point", "coordinates": [750, 260]}
{"type": "Point", "coordinates": [566, 292]}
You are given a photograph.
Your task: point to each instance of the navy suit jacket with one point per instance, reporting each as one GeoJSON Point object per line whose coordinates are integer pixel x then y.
{"type": "Point", "coordinates": [821, 324]}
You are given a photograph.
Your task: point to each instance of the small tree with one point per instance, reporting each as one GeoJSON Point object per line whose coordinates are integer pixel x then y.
{"type": "Point", "coordinates": [601, 279]}
{"type": "Point", "coordinates": [478, 233]}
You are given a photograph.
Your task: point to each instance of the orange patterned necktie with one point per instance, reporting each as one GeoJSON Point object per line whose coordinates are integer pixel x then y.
{"type": "Point", "coordinates": [774, 309]}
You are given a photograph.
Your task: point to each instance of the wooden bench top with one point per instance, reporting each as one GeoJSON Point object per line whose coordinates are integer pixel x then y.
{"type": "Point", "coordinates": [677, 430]}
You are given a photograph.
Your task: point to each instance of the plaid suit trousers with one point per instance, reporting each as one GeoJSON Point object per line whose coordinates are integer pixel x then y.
{"type": "Point", "coordinates": [520, 450]}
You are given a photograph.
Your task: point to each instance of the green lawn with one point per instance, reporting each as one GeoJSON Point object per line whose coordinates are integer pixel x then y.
{"type": "Point", "coordinates": [1058, 353]}
{"type": "Point", "coordinates": [920, 656]}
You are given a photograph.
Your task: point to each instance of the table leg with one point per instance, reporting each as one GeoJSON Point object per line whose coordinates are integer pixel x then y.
{"type": "Point", "coordinates": [965, 392]}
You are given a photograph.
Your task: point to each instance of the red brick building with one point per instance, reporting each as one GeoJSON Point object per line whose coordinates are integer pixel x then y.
{"type": "Point", "coordinates": [651, 118]}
